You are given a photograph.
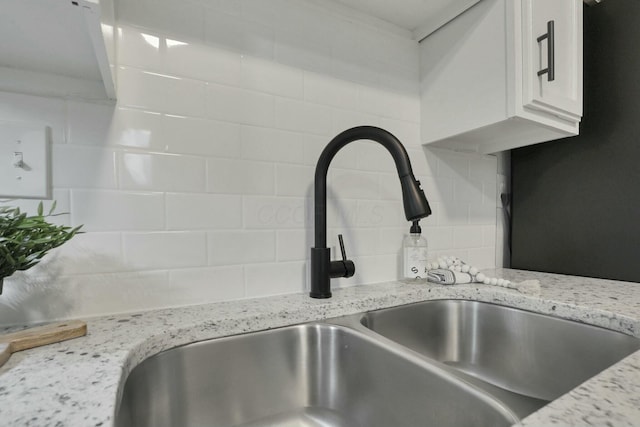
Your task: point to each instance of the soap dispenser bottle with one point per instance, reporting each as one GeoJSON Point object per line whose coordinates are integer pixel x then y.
{"type": "Point", "coordinates": [414, 251]}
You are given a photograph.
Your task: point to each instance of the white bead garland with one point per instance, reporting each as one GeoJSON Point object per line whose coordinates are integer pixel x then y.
{"type": "Point", "coordinates": [456, 264]}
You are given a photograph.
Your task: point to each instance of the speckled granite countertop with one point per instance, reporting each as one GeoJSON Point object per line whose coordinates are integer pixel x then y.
{"type": "Point", "coordinates": [76, 383]}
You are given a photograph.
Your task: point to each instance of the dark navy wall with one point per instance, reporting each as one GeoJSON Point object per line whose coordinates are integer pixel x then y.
{"type": "Point", "coordinates": [576, 201]}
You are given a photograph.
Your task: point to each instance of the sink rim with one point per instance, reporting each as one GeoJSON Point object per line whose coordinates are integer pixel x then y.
{"type": "Point", "coordinates": [493, 303]}
{"type": "Point", "coordinates": [352, 322]}
{"type": "Point", "coordinates": [430, 366]}
{"type": "Point", "coordinates": [361, 317]}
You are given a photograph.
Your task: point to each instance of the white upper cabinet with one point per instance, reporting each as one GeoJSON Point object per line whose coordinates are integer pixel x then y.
{"type": "Point", "coordinates": [558, 25]}
{"type": "Point", "coordinates": [504, 74]}
{"type": "Point", "coordinates": [59, 48]}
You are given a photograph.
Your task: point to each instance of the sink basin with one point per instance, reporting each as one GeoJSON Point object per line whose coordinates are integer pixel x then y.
{"type": "Point", "coordinates": [307, 375]}
{"type": "Point", "coordinates": [525, 359]}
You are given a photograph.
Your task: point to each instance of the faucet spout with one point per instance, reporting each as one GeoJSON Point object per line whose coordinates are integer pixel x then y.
{"type": "Point", "coordinates": [414, 200]}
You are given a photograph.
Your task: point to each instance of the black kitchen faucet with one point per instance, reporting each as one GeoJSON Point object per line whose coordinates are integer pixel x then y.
{"type": "Point", "coordinates": [416, 205]}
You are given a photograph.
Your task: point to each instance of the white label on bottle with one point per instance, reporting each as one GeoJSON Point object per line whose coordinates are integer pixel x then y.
{"type": "Point", "coordinates": [415, 263]}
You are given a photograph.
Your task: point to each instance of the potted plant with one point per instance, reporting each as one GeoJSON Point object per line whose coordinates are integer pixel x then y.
{"type": "Point", "coordinates": [24, 239]}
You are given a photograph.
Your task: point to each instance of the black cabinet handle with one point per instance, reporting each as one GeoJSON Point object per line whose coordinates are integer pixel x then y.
{"type": "Point", "coordinates": [550, 71]}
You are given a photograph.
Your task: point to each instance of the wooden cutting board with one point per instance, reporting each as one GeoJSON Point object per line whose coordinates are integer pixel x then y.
{"type": "Point", "coordinates": [38, 336]}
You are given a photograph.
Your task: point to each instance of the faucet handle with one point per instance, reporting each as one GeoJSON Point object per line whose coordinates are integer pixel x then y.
{"type": "Point", "coordinates": [343, 268]}
{"type": "Point", "coordinates": [344, 253]}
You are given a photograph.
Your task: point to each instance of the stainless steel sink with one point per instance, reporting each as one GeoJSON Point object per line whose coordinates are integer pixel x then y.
{"type": "Point", "coordinates": [525, 359]}
{"type": "Point", "coordinates": [308, 375]}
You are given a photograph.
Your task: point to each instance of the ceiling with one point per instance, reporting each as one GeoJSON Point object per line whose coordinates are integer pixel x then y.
{"type": "Point", "coordinates": [420, 17]}
{"type": "Point", "coordinates": [408, 14]}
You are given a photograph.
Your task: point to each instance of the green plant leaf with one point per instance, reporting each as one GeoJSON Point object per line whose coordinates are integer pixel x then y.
{"type": "Point", "coordinates": [25, 240]}
{"type": "Point", "coordinates": [53, 207]}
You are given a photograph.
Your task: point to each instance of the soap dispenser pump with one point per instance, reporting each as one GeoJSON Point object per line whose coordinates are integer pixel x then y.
{"type": "Point", "coordinates": [414, 251]}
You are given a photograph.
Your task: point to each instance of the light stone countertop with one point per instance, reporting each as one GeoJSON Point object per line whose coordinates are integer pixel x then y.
{"type": "Point", "coordinates": [77, 382]}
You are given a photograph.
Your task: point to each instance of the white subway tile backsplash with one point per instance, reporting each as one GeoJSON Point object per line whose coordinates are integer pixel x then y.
{"type": "Point", "coordinates": [161, 93]}
{"type": "Point", "coordinates": [164, 250]}
{"type": "Point", "coordinates": [209, 284]}
{"type": "Point", "coordinates": [184, 19]}
{"type": "Point", "coordinates": [350, 184]}
{"type": "Point", "coordinates": [467, 191]}
{"type": "Point", "coordinates": [276, 212]}
{"type": "Point", "coordinates": [345, 119]}
{"type": "Point", "coordinates": [273, 279]}
{"type": "Point", "coordinates": [391, 239]}
{"type": "Point", "coordinates": [239, 106]}
{"type": "Point", "coordinates": [203, 211]}
{"type": "Point", "coordinates": [451, 164]}
{"type": "Point", "coordinates": [467, 237]}
{"type": "Point", "coordinates": [293, 180]}
{"type": "Point", "coordinates": [273, 145]}
{"type": "Point", "coordinates": [266, 76]}
{"type": "Point", "coordinates": [110, 210]}
{"type": "Point", "coordinates": [484, 214]}
{"type": "Point", "coordinates": [233, 32]}
{"type": "Point", "coordinates": [381, 46]}
{"type": "Point", "coordinates": [346, 158]}
{"type": "Point", "coordinates": [374, 157]}
{"type": "Point", "coordinates": [304, 50]}
{"type": "Point", "coordinates": [489, 235]}
{"type": "Point", "coordinates": [300, 116]}
{"type": "Point", "coordinates": [439, 238]}
{"type": "Point", "coordinates": [341, 213]}
{"type": "Point", "coordinates": [372, 269]}
{"type": "Point", "coordinates": [389, 104]}
{"type": "Point", "coordinates": [483, 168]}
{"type": "Point", "coordinates": [200, 136]}
{"type": "Point", "coordinates": [257, 10]}
{"type": "Point", "coordinates": [241, 247]}
{"type": "Point", "coordinates": [201, 62]}
{"type": "Point", "coordinates": [141, 90]}
{"type": "Point", "coordinates": [293, 245]}
{"type": "Point", "coordinates": [437, 189]}
{"type": "Point", "coordinates": [482, 257]}
{"type": "Point", "coordinates": [407, 132]}
{"type": "Point", "coordinates": [88, 124]}
{"type": "Point", "coordinates": [379, 214]}
{"type": "Point", "coordinates": [232, 176]}
{"type": "Point", "coordinates": [92, 253]}
{"type": "Point", "coordinates": [83, 167]}
{"type": "Point", "coordinates": [162, 172]}
{"type": "Point", "coordinates": [423, 162]}
{"type": "Point", "coordinates": [183, 96]}
{"type": "Point", "coordinates": [357, 241]}
{"type": "Point", "coordinates": [140, 48]}
{"type": "Point", "coordinates": [330, 91]}
{"type": "Point", "coordinates": [197, 185]}
{"type": "Point", "coordinates": [103, 294]}
{"type": "Point", "coordinates": [451, 213]}
{"type": "Point", "coordinates": [389, 185]}
{"type": "Point", "coordinates": [136, 128]}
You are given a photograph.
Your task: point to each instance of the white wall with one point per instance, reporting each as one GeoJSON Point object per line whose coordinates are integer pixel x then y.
{"type": "Point", "coordinates": [197, 185]}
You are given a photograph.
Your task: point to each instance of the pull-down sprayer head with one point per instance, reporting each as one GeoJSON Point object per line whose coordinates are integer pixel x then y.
{"type": "Point", "coordinates": [415, 203]}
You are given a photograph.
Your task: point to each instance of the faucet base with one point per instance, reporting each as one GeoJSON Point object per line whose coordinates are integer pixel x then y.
{"type": "Point", "coordinates": [319, 295]}
{"type": "Point", "coordinates": [320, 274]}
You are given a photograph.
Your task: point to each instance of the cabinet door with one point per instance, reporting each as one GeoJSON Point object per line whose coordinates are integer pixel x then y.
{"type": "Point", "coordinates": [561, 97]}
